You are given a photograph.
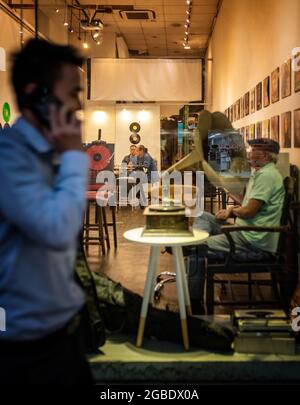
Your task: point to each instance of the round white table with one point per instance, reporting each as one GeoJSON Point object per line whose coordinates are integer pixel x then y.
{"type": "Point", "coordinates": [176, 243]}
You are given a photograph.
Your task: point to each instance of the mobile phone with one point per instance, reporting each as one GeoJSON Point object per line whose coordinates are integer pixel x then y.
{"type": "Point", "coordinates": [38, 102]}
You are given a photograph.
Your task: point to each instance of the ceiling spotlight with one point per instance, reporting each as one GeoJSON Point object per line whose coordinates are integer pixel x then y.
{"type": "Point", "coordinates": [96, 34]}
{"type": "Point", "coordinates": [188, 11]}
{"type": "Point", "coordinates": [57, 10]}
{"type": "Point", "coordinates": [187, 20]}
{"type": "Point", "coordinates": [186, 33]}
{"type": "Point", "coordinates": [71, 30]}
{"type": "Point", "coordinates": [85, 45]}
{"type": "Point", "coordinates": [188, 1]}
{"type": "Point", "coordinates": [186, 25]}
{"type": "Point", "coordinates": [66, 23]}
{"type": "Point", "coordinates": [186, 46]}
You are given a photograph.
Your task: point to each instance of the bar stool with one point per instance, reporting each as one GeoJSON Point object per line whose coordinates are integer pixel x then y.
{"type": "Point", "coordinates": [94, 226]}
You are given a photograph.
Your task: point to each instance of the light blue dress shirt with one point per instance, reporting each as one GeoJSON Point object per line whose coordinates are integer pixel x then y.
{"type": "Point", "coordinates": [40, 217]}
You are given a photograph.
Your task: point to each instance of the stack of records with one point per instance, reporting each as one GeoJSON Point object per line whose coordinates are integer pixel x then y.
{"type": "Point", "coordinates": [263, 331]}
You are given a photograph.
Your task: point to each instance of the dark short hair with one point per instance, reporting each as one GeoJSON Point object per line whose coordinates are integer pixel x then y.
{"type": "Point", "coordinates": [143, 148]}
{"type": "Point", "coordinates": [40, 62]}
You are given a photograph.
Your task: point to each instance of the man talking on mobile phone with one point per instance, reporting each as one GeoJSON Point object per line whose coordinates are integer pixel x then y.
{"type": "Point", "coordinates": [43, 173]}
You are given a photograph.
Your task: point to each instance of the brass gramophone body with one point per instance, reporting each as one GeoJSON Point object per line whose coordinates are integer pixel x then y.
{"type": "Point", "coordinates": [166, 220]}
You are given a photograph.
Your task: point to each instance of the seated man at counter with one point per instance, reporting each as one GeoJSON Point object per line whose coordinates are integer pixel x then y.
{"type": "Point", "coordinates": [261, 206]}
{"type": "Point", "coordinates": [131, 159]}
{"type": "Point", "coordinates": [145, 161]}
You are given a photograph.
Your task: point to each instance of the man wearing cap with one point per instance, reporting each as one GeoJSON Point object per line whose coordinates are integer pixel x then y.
{"type": "Point", "coordinates": [261, 206]}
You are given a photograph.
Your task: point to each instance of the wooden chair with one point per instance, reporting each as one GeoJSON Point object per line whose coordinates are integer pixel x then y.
{"type": "Point", "coordinates": [232, 265]}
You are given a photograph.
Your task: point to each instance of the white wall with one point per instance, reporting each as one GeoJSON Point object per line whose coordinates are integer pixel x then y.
{"type": "Point", "coordinates": [114, 124]}
{"type": "Point", "coordinates": [99, 117]}
{"type": "Point", "coordinates": [252, 38]}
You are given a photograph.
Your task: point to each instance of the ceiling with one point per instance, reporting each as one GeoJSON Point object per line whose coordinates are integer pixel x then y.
{"type": "Point", "coordinates": [162, 36]}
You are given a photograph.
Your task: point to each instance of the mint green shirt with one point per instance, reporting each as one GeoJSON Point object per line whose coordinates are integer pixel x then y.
{"type": "Point", "coordinates": [265, 185]}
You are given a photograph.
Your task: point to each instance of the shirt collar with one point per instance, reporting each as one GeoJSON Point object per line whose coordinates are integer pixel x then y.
{"type": "Point", "coordinates": [262, 169]}
{"type": "Point", "coordinates": [32, 135]}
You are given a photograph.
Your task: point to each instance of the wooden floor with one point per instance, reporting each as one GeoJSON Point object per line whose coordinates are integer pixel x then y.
{"type": "Point", "coordinates": [128, 264]}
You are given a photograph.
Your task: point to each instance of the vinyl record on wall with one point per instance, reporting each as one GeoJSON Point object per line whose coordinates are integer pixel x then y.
{"type": "Point", "coordinates": [100, 157]}
{"type": "Point", "coordinates": [135, 138]}
{"type": "Point", "coordinates": [134, 127]}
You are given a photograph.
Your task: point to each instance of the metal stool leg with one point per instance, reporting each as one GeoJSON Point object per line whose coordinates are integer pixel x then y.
{"type": "Point", "coordinates": [99, 222]}
{"type": "Point", "coordinates": [87, 227]}
{"type": "Point", "coordinates": [105, 228]}
{"type": "Point", "coordinates": [114, 224]}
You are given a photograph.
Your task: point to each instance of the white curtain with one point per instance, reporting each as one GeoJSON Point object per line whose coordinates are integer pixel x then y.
{"type": "Point", "coordinates": [146, 79]}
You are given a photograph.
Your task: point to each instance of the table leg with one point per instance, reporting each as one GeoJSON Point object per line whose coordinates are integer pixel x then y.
{"type": "Point", "coordinates": [185, 284]}
{"type": "Point", "coordinates": [177, 260]}
{"type": "Point", "coordinates": [154, 253]}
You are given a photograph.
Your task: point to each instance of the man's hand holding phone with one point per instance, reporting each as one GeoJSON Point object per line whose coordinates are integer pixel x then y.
{"type": "Point", "coordinates": [65, 129]}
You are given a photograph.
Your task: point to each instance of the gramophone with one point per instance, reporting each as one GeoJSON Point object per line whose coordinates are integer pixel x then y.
{"type": "Point", "coordinates": [170, 218]}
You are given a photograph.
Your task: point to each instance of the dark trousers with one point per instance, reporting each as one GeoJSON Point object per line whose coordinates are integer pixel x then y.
{"type": "Point", "coordinates": [56, 359]}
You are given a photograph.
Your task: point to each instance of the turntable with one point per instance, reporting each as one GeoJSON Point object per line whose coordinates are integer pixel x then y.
{"type": "Point", "coordinates": [263, 332]}
{"type": "Point", "coordinates": [261, 320]}
{"type": "Point", "coordinates": [166, 220]}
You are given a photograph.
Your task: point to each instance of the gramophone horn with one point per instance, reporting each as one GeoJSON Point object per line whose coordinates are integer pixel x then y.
{"type": "Point", "coordinates": [206, 122]}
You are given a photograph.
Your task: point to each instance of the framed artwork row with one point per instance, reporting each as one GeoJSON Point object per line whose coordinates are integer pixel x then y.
{"type": "Point", "coordinates": [267, 92]}
{"type": "Point", "coordinates": [278, 128]}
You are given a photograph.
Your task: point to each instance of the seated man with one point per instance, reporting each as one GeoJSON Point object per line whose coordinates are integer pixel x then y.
{"type": "Point", "coordinates": [131, 159]}
{"type": "Point", "coordinates": [146, 162]}
{"type": "Point", "coordinates": [261, 206]}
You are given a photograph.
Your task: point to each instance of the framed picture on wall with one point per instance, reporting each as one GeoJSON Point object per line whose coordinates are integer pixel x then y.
{"type": "Point", "coordinates": [258, 96]}
{"type": "Point", "coordinates": [258, 129]}
{"type": "Point", "coordinates": [286, 79]}
{"type": "Point", "coordinates": [285, 133]}
{"type": "Point", "coordinates": [275, 128]}
{"type": "Point", "coordinates": [252, 131]}
{"type": "Point", "coordinates": [242, 112]}
{"type": "Point", "coordinates": [252, 100]}
{"type": "Point", "coordinates": [275, 85]}
{"type": "Point", "coordinates": [266, 129]}
{"type": "Point", "coordinates": [247, 133]}
{"type": "Point", "coordinates": [237, 110]}
{"type": "Point", "coordinates": [297, 128]}
{"type": "Point", "coordinates": [266, 91]}
{"type": "Point", "coordinates": [246, 103]}
{"type": "Point", "coordinates": [297, 72]}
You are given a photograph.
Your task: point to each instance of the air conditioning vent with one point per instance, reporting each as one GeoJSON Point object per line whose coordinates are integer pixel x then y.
{"type": "Point", "coordinates": [138, 15]}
